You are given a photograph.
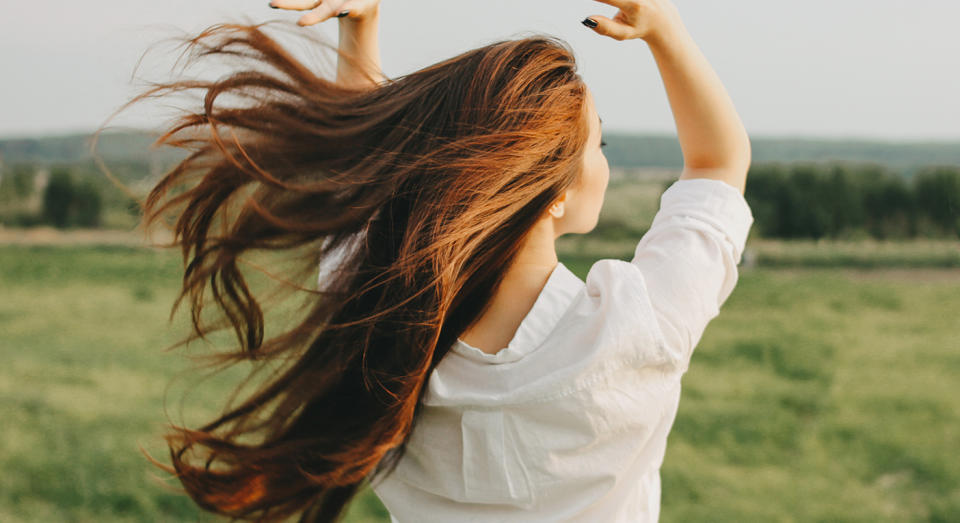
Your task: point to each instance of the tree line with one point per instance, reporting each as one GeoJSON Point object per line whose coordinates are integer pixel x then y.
{"type": "Point", "coordinates": [795, 200]}
{"type": "Point", "coordinates": [63, 196]}
{"type": "Point", "coordinates": [843, 201]}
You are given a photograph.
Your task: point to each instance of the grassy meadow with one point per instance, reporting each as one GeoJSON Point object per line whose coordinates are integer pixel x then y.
{"type": "Point", "coordinates": [823, 394]}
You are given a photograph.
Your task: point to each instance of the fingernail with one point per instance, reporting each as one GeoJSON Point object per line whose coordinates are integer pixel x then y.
{"type": "Point", "coordinates": [343, 13]}
{"type": "Point", "coordinates": [589, 22]}
{"type": "Point", "coordinates": [273, 6]}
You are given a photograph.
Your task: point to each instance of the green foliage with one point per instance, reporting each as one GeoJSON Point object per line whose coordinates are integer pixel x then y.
{"type": "Point", "coordinates": [16, 183]}
{"type": "Point", "coordinates": [938, 196]}
{"type": "Point", "coordinates": [95, 200]}
{"type": "Point", "coordinates": [87, 205]}
{"type": "Point", "coordinates": [17, 198]}
{"type": "Point", "coordinates": [891, 207]}
{"type": "Point", "coordinates": [58, 198]}
{"type": "Point", "coordinates": [841, 201]}
{"type": "Point", "coordinates": [67, 203]}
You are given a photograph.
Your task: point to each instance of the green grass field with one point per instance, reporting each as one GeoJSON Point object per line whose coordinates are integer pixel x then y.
{"type": "Point", "coordinates": [817, 395]}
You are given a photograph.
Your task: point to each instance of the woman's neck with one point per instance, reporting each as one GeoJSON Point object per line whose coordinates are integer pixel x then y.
{"type": "Point", "coordinates": [538, 255]}
{"type": "Point", "coordinates": [518, 291]}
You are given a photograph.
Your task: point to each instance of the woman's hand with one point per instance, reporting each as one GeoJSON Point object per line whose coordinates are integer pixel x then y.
{"type": "Point", "coordinates": [357, 40]}
{"type": "Point", "coordinates": [320, 10]}
{"type": "Point", "coordinates": [649, 20]}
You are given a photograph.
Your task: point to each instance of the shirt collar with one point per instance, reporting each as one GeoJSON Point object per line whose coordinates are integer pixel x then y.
{"type": "Point", "coordinates": [554, 299]}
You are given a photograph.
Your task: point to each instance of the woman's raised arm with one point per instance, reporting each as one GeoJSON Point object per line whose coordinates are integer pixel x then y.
{"type": "Point", "coordinates": [713, 139]}
{"type": "Point", "coordinates": [359, 25]}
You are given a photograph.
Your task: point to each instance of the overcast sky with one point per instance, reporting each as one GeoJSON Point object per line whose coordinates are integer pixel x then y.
{"type": "Point", "coordinates": [854, 68]}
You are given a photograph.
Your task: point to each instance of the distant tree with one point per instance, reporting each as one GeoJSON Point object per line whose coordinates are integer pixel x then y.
{"type": "Point", "coordinates": [22, 178]}
{"type": "Point", "coordinates": [790, 202]}
{"type": "Point", "coordinates": [937, 193]}
{"type": "Point", "coordinates": [16, 183]}
{"type": "Point", "coordinates": [68, 203]}
{"type": "Point", "coordinates": [813, 203]}
{"type": "Point", "coordinates": [765, 185]}
{"type": "Point", "coordinates": [891, 208]}
{"type": "Point", "coordinates": [816, 201]}
{"type": "Point", "coordinates": [87, 205]}
{"type": "Point", "coordinates": [58, 198]}
{"type": "Point", "coordinates": [844, 201]}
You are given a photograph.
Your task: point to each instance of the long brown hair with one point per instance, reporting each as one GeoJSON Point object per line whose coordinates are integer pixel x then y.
{"type": "Point", "coordinates": [416, 194]}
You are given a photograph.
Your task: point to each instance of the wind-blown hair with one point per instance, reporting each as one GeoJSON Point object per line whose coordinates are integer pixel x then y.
{"type": "Point", "coordinates": [416, 194]}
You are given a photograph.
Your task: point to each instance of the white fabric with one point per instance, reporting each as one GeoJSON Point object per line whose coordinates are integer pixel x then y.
{"type": "Point", "coordinates": [569, 422]}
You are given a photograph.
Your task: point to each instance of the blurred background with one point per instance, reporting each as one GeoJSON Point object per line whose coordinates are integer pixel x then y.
{"type": "Point", "coordinates": [827, 389]}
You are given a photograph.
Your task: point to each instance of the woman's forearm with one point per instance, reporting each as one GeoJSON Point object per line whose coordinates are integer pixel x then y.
{"type": "Point", "coordinates": [359, 38]}
{"type": "Point", "coordinates": [709, 129]}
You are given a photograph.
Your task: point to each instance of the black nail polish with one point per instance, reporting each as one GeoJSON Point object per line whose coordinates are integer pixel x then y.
{"type": "Point", "coordinates": [589, 22]}
{"type": "Point", "coordinates": [343, 13]}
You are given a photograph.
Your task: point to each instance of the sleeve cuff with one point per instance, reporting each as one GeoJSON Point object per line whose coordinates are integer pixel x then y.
{"type": "Point", "coordinates": [712, 201]}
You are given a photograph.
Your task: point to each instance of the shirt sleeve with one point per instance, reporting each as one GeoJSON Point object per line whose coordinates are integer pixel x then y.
{"type": "Point", "coordinates": [689, 257]}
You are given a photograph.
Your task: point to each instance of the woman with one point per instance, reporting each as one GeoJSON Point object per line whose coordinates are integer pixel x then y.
{"type": "Point", "coordinates": [447, 359]}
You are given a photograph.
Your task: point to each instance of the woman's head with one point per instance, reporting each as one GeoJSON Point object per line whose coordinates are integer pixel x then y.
{"type": "Point", "coordinates": [578, 209]}
{"type": "Point", "coordinates": [513, 116]}
{"type": "Point", "coordinates": [429, 183]}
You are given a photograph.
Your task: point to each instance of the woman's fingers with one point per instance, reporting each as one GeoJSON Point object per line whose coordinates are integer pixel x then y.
{"type": "Point", "coordinates": [295, 5]}
{"type": "Point", "coordinates": [646, 19]}
{"type": "Point", "coordinates": [611, 28]}
{"type": "Point", "coordinates": [322, 12]}
{"type": "Point", "coordinates": [319, 10]}
{"type": "Point", "coordinates": [619, 4]}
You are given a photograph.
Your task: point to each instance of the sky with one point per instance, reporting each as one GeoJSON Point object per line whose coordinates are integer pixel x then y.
{"type": "Point", "coordinates": [854, 69]}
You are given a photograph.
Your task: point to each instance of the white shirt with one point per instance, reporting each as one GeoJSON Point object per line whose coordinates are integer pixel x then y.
{"type": "Point", "coordinates": [569, 422]}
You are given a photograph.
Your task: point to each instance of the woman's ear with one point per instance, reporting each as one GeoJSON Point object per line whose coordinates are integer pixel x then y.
{"type": "Point", "coordinates": [557, 208]}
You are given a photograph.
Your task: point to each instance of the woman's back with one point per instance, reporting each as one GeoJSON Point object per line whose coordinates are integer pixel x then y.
{"type": "Point", "coordinates": [569, 421]}
{"type": "Point", "coordinates": [511, 303]}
